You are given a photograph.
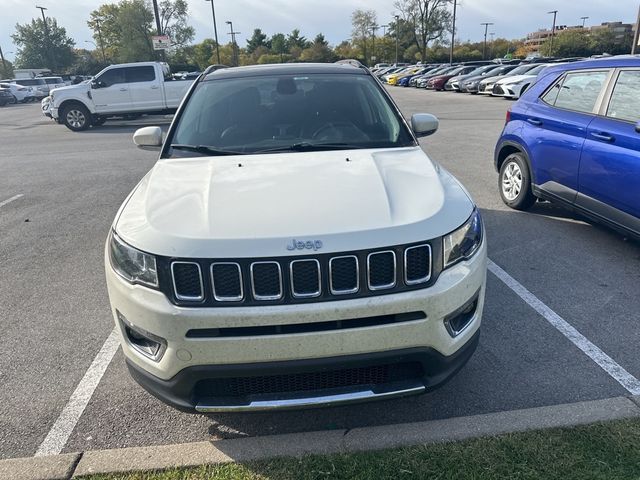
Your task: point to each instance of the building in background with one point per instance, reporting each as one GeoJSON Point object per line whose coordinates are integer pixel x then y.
{"type": "Point", "coordinates": [535, 40]}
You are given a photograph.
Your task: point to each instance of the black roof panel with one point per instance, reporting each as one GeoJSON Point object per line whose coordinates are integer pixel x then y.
{"type": "Point", "coordinates": [285, 69]}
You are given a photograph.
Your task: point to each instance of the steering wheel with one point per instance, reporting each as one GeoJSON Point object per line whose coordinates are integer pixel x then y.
{"type": "Point", "coordinates": [338, 127]}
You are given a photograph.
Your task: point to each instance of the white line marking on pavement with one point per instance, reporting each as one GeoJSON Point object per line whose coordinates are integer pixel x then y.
{"type": "Point", "coordinates": [608, 364]}
{"type": "Point", "coordinates": [9, 200]}
{"type": "Point", "coordinates": [57, 437]}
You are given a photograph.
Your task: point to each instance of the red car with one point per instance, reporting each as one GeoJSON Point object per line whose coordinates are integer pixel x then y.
{"type": "Point", "coordinates": [437, 83]}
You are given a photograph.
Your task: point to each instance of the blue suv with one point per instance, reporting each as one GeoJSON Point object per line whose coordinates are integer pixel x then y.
{"type": "Point", "coordinates": [574, 138]}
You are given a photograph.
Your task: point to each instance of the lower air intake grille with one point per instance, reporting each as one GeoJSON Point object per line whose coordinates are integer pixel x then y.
{"type": "Point", "coordinates": [307, 382]}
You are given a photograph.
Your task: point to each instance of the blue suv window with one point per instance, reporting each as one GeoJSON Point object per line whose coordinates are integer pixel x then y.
{"type": "Point", "coordinates": [625, 101]}
{"type": "Point", "coordinates": [577, 91]}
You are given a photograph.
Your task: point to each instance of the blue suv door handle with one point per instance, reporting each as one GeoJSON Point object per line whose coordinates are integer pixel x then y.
{"type": "Point", "coordinates": [534, 121]}
{"type": "Point", "coordinates": [605, 137]}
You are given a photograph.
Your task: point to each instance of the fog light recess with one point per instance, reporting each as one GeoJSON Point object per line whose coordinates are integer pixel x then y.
{"type": "Point", "coordinates": [148, 344]}
{"type": "Point", "coordinates": [457, 321]}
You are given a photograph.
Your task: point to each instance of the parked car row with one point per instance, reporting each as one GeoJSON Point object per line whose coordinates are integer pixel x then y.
{"type": "Point", "coordinates": [508, 79]}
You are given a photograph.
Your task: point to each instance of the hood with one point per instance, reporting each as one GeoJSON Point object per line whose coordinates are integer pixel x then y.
{"type": "Point", "coordinates": [79, 87]}
{"type": "Point", "coordinates": [516, 79]}
{"type": "Point", "coordinates": [212, 206]}
{"type": "Point", "coordinates": [494, 78]}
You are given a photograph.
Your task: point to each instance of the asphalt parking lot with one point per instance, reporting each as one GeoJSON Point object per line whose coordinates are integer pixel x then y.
{"type": "Point", "coordinates": [60, 190]}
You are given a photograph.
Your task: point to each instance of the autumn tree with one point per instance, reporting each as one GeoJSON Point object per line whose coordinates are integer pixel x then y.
{"type": "Point", "coordinates": [173, 20]}
{"type": "Point", "coordinates": [362, 22]}
{"type": "Point", "coordinates": [431, 20]}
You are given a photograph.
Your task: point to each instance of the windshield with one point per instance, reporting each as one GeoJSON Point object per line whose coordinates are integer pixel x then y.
{"type": "Point", "coordinates": [538, 69]}
{"type": "Point", "coordinates": [267, 113]}
{"type": "Point", "coordinates": [521, 70]}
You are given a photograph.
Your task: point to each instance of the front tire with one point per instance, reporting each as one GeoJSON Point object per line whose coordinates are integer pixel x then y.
{"type": "Point", "coordinates": [514, 182]}
{"type": "Point", "coordinates": [76, 117]}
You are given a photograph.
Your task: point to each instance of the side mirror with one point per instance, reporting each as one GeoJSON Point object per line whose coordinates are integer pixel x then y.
{"type": "Point", "coordinates": [638, 127]}
{"type": "Point", "coordinates": [424, 124]}
{"type": "Point", "coordinates": [148, 138]}
{"type": "Point", "coordinates": [97, 84]}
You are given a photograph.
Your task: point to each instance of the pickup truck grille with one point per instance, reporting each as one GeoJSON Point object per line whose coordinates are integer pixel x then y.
{"type": "Point", "coordinates": [322, 277]}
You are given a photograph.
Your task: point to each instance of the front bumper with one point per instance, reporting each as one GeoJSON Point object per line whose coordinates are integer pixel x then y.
{"type": "Point", "coordinates": [187, 361]}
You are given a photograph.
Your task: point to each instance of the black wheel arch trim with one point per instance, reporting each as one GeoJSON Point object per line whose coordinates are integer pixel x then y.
{"type": "Point", "coordinates": [514, 144]}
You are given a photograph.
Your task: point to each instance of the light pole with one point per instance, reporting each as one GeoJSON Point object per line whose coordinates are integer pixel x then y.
{"type": "Point", "coordinates": [46, 34]}
{"type": "Point", "coordinates": [215, 29]}
{"type": "Point", "coordinates": [553, 30]}
{"type": "Point", "coordinates": [104, 60]}
{"type": "Point", "coordinates": [492, 34]}
{"type": "Point", "coordinates": [4, 64]}
{"type": "Point", "coordinates": [484, 47]}
{"type": "Point", "coordinates": [453, 32]}
{"type": "Point", "coordinates": [397, 17]}
{"type": "Point", "coordinates": [584, 19]}
{"type": "Point", "coordinates": [233, 34]}
{"type": "Point", "coordinates": [636, 37]}
{"type": "Point", "coordinates": [374, 27]}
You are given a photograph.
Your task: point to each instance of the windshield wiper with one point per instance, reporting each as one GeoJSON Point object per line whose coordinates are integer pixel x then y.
{"type": "Point", "coordinates": [308, 147]}
{"type": "Point", "coordinates": [205, 149]}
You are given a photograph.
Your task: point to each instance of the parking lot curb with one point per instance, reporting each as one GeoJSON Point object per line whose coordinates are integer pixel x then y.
{"type": "Point", "coordinates": [54, 467]}
{"type": "Point", "coordinates": [76, 465]}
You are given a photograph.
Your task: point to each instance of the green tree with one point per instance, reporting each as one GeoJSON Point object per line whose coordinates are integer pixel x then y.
{"type": "Point", "coordinates": [295, 40]}
{"type": "Point", "coordinates": [6, 69]}
{"type": "Point", "coordinates": [406, 37]}
{"type": "Point", "coordinates": [568, 43]}
{"type": "Point", "coordinates": [430, 19]}
{"type": "Point", "coordinates": [173, 20]}
{"type": "Point", "coordinates": [202, 53]}
{"type": "Point", "coordinates": [125, 29]}
{"type": "Point", "coordinates": [43, 45]}
{"type": "Point", "coordinates": [279, 45]}
{"type": "Point", "coordinates": [258, 39]}
{"type": "Point", "coordinates": [318, 51]}
{"type": "Point", "coordinates": [606, 41]}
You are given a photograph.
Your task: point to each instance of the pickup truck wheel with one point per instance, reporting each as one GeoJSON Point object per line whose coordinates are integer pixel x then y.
{"type": "Point", "coordinates": [76, 117]}
{"type": "Point", "coordinates": [515, 182]}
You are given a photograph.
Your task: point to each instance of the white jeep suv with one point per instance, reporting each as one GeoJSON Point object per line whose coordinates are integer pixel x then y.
{"type": "Point", "coordinates": [294, 247]}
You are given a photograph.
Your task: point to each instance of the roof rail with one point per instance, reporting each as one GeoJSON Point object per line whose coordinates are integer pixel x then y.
{"type": "Point", "coordinates": [213, 68]}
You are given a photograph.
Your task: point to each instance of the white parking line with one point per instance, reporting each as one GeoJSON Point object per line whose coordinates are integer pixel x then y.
{"type": "Point", "coordinates": [9, 200]}
{"type": "Point", "coordinates": [609, 365]}
{"type": "Point", "coordinates": [57, 437]}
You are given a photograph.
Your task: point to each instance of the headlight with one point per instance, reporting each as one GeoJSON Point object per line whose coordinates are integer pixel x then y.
{"type": "Point", "coordinates": [464, 242]}
{"type": "Point", "coordinates": [131, 264]}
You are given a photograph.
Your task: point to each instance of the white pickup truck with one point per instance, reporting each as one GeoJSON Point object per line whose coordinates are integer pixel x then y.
{"type": "Point", "coordinates": [118, 90]}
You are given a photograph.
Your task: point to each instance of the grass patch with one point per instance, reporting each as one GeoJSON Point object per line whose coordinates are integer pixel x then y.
{"type": "Point", "coordinates": [604, 451]}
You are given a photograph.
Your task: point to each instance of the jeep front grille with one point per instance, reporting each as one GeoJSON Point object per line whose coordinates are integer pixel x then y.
{"type": "Point", "coordinates": [318, 277]}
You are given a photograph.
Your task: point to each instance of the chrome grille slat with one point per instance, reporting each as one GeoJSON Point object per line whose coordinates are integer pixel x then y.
{"type": "Point", "coordinates": [372, 283]}
{"type": "Point", "coordinates": [179, 284]}
{"type": "Point", "coordinates": [257, 284]}
{"type": "Point", "coordinates": [409, 268]}
{"type": "Point", "coordinates": [218, 293]}
{"type": "Point", "coordinates": [335, 270]}
{"type": "Point", "coordinates": [295, 277]}
{"type": "Point", "coordinates": [300, 278]}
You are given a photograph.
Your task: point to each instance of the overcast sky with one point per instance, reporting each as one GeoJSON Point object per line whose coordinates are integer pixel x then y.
{"type": "Point", "coordinates": [512, 18]}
